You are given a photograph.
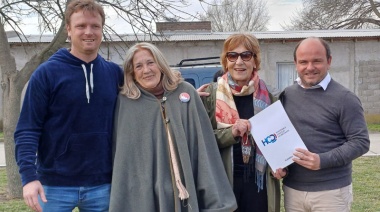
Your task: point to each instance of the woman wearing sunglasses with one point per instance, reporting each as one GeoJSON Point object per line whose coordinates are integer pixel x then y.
{"type": "Point", "coordinates": [237, 96]}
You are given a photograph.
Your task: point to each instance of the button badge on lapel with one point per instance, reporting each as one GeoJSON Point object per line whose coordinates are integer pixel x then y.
{"type": "Point", "coordinates": [184, 97]}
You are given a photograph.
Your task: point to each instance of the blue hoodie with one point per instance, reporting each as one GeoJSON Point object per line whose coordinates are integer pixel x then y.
{"type": "Point", "coordinates": [63, 136]}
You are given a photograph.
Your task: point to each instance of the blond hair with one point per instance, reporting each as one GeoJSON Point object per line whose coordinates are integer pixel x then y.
{"type": "Point", "coordinates": [170, 80]}
{"type": "Point", "coordinates": [85, 5]}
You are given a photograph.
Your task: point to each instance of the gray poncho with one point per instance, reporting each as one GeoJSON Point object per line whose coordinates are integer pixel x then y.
{"type": "Point", "coordinates": [142, 174]}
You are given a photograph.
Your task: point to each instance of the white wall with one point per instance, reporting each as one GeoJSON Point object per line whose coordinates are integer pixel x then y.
{"type": "Point", "coordinates": [347, 55]}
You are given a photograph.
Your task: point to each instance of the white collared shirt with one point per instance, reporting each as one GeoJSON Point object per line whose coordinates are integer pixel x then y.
{"type": "Point", "coordinates": [324, 83]}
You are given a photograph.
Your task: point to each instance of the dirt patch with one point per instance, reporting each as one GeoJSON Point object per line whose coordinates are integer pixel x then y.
{"type": "Point", "coordinates": [3, 197]}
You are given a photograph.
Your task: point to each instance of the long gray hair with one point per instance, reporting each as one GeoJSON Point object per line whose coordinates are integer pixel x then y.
{"type": "Point", "coordinates": [170, 80]}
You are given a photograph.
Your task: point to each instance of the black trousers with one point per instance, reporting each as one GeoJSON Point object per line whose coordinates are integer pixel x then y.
{"type": "Point", "coordinates": [247, 196]}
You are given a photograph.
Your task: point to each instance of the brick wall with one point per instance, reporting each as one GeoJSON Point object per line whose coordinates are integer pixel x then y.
{"type": "Point", "coordinates": [369, 86]}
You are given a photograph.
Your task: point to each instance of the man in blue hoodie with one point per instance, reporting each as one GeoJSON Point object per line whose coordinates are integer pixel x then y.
{"type": "Point", "coordinates": [63, 136]}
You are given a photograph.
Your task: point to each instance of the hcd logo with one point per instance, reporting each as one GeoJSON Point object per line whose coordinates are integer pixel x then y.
{"type": "Point", "coordinates": [270, 139]}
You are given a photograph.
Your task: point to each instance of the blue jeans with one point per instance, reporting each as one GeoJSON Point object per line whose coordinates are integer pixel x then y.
{"type": "Point", "coordinates": [87, 199]}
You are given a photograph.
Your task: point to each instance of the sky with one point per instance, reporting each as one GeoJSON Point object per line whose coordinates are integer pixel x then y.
{"type": "Point", "coordinates": [279, 10]}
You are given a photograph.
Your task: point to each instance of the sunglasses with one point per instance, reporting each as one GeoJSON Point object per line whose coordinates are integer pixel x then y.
{"type": "Point", "coordinates": [245, 56]}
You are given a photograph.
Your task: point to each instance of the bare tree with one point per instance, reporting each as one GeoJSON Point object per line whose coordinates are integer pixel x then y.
{"type": "Point", "coordinates": [138, 14]}
{"type": "Point", "coordinates": [237, 16]}
{"type": "Point", "coordinates": [337, 14]}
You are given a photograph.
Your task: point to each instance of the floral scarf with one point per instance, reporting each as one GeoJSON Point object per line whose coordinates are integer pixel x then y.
{"type": "Point", "coordinates": [226, 115]}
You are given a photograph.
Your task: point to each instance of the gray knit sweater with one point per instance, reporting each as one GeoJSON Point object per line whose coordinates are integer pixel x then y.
{"type": "Point", "coordinates": [331, 123]}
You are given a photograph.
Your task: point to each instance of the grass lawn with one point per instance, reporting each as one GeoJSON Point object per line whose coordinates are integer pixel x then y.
{"type": "Point", "coordinates": [373, 127]}
{"type": "Point", "coordinates": [366, 178]}
{"type": "Point", "coordinates": [366, 183]}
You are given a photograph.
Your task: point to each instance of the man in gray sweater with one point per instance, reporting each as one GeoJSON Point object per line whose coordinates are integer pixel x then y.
{"type": "Point", "coordinates": [330, 121]}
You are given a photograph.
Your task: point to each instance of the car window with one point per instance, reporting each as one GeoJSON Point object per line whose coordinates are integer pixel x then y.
{"type": "Point", "coordinates": [191, 81]}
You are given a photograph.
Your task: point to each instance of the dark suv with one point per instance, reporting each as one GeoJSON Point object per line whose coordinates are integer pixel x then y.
{"type": "Point", "coordinates": [198, 71]}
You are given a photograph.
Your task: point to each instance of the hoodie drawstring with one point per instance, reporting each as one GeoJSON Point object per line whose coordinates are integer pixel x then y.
{"type": "Point", "coordinates": [91, 82]}
{"type": "Point", "coordinates": [92, 79]}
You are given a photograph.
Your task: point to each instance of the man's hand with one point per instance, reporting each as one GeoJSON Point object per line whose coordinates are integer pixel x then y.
{"type": "Point", "coordinates": [31, 192]}
{"type": "Point", "coordinates": [201, 90]}
{"type": "Point", "coordinates": [280, 173]}
{"type": "Point", "coordinates": [307, 159]}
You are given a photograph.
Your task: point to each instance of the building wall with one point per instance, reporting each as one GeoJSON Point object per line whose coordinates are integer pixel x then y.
{"type": "Point", "coordinates": [355, 64]}
{"type": "Point", "coordinates": [369, 86]}
{"type": "Point", "coordinates": [271, 54]}
{"type": "Point", "coordinates": [367, 80]}
{"type": "Point", "coordinates": [183, 26]}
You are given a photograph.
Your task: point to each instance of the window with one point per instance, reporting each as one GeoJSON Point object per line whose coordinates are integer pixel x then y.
{"type": "Point", "coordinates": [191, 81]}
{"type": "Point", "coordinates": [286, 74]}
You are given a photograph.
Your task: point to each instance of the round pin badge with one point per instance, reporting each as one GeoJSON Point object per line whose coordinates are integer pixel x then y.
{"type": "Point", "coordinates": [184, 97]}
